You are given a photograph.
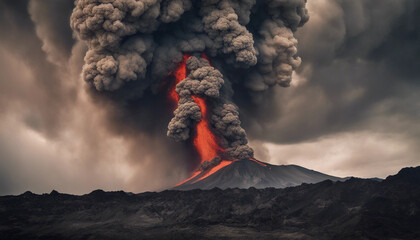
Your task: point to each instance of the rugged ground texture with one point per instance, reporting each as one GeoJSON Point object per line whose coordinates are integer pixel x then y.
{"type": "Point", "coordinates": [355, 209]}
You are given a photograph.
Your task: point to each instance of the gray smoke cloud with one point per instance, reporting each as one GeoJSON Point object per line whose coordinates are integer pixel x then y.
{"type": "Point", "coordinates": [229, 36]}
{"type": "Point", "coordinates": [277, 45]}
{"type": "Point", "coordinates": [203, 80]}
{"type": "Point", "coordinates": [226, 121]}
{"type": "Point", "coordinates": [206, 81]}
{"type": "Point", "coordinates": [133, 45]}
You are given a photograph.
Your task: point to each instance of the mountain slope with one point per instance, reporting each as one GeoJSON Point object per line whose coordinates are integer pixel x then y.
{"type": "Point", "coordinates": [253, 173]}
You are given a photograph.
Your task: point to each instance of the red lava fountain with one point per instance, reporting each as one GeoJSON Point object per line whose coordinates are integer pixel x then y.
{"type": "Point", "coordinates": [180, 74]}
{"type": "Point", "coordinates": [205, 142]}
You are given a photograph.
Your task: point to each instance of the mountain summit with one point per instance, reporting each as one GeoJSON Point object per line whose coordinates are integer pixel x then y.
{"type": "Point", "coordinates": [253, 173]}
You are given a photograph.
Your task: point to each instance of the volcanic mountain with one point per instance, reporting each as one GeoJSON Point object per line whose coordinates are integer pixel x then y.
{"type": "Point", "coordinates": [252, 173]}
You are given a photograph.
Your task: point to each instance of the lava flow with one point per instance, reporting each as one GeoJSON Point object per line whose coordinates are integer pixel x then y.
{"type": "Point", "coordinates": [221, 165]}
{"type": "Point", "coordinates": [180, 74]}
{"type": "Point", "coordinates": [205, 142]}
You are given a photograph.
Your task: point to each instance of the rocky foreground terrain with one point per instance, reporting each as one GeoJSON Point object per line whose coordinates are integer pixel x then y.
{"type": "Point", "coordinates": [354, 209]}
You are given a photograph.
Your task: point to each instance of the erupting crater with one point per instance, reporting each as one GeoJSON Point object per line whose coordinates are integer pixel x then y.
{"type": "Point", "coordinates": [217, 169]}
{"type": "Point", "coordinates": [204, 140]}
{"type": "Point", "coordinates": [246, 173]}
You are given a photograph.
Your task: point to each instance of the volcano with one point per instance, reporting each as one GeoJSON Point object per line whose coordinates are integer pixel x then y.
{"type": "Point", "coordinates": [252, 173]}
{"type": "Point", "coordinates": [226, 161]}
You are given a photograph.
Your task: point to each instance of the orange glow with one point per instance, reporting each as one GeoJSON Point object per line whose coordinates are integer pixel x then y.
{"type": "Point", "coordinates": [205, 142]}
{"type": "Point", "coordinates": [203, 55]}
{"type": "Point", "coordinates": [265, 165]}
{"type": "Point", "coordinates": [213, 170]}
{"type": "Point", "coordinates": [221, 165]}
{"type": "Point", "coordinates": [188, 179]}
{"type": "Point", "coordinates": [180, 74]}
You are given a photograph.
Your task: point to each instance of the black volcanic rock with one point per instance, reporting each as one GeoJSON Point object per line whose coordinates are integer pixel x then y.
{"type": "Point", "coordinates": [405, 175]}
{"type": "Point", "coordinates": [54, 193]}
{"type": "Point", "coordinates": [248, 173]}
{"type": "Point", "coordinates": [354, 209]}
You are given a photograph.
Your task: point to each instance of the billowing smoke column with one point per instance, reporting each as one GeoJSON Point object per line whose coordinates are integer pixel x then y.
{"type": "Point", "coordinates": [134, 44]}
{"type": "Point", "coordinates": [203, 85]}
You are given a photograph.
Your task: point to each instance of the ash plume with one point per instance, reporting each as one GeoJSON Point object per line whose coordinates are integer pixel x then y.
{"type": "Point", "coordinates": [226, 121]}
{"type": "Point", "coordinates": [228, 35]}
{"type": "Point", "coordinates": [203, 80]}
{"type": "Point", "coordinates": [133, 45]}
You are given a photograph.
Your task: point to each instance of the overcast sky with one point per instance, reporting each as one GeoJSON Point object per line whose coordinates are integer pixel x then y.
{"type": "Point", "coordinates": [353, 108]}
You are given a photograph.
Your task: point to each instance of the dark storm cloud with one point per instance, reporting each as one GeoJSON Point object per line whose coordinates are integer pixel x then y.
{"type": "Point", "coordinates": [50, 18]}
{"type": "Point", "coordinates": [18, 35]}
{"type": "Point", "coordinates": [353, 107]}
{"type": "Point", "coordinates": [356, 56]}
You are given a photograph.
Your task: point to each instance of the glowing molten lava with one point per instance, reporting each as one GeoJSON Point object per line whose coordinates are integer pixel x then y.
{"type": "Point", "coordinates": [180, 74]}
{"type": "Point", "coordinates": [188, 179]}
{"type": "Point", "coordinates": [255, 160]}
{"type": "Point", "coordinates": [200, 175]}
{"type": "Point", "coordinates": [221, 165]}
{"type": "Point", "coordinates": [204, 139]}
{"type": "Point", "coordinates": [205, 142]}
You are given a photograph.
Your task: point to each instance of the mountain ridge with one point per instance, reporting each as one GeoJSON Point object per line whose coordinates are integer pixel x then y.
{"type": "Point", "coordinates": [253, 173]}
